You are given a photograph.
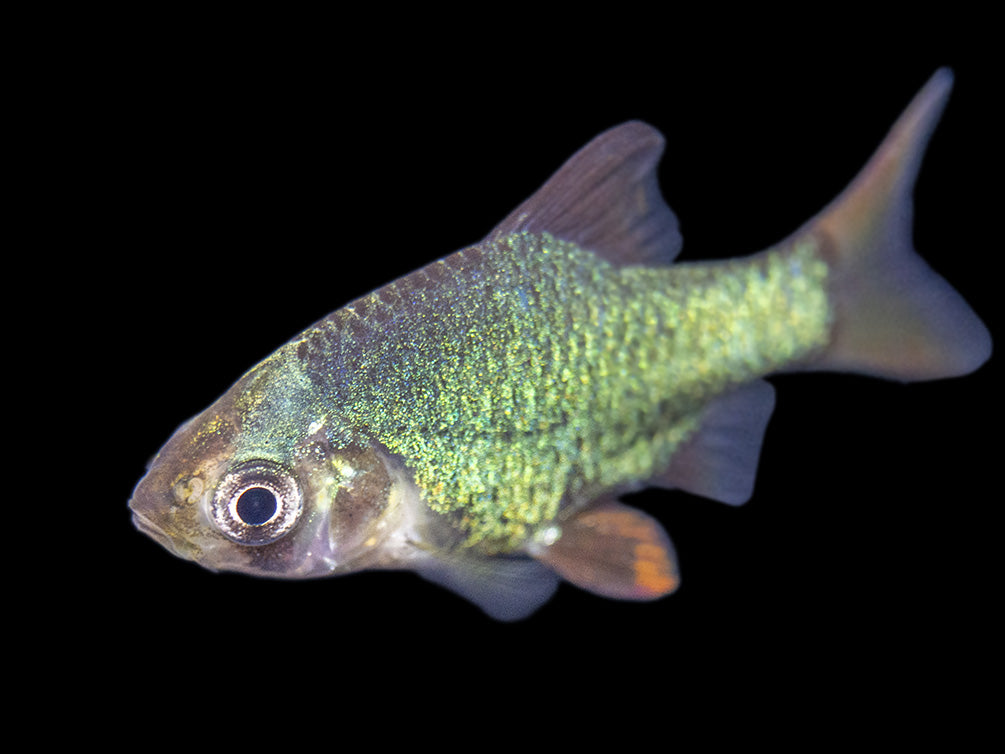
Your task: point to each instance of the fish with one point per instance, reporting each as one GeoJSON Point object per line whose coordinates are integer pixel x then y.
{"type": "Point", "coordinates": [479, 420]}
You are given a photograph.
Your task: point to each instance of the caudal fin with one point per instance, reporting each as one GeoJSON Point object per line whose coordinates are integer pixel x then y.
{"type": "Point", "coordinates": [895, 317]}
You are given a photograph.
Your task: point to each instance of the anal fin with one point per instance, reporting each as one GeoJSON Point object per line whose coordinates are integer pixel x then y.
{"type": "Point", "coordinates": [720, 461]}
{"type": "Point", "coordinates": [613, 550]}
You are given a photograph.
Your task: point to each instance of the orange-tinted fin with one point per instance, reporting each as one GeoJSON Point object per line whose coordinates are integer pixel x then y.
{"type": "Point", "coordinates": [614, 551]}
{"type": "Point", "coordinates": [894, 316]}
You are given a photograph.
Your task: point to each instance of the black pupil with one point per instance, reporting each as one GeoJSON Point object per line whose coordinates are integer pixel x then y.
{"type": "Point", "coordinates": [255, 506]}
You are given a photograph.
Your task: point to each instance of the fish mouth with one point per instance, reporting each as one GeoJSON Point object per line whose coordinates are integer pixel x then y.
{"type": "Point", "coordinates": [157, 534]}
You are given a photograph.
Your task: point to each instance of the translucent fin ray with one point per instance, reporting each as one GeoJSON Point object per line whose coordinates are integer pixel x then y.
{"type": "Point", "coordinates": [895, 317]}
{"type": "Point", "coordinates": [720, 461]}
{"type": "Point", "coordinates": [606, 198]}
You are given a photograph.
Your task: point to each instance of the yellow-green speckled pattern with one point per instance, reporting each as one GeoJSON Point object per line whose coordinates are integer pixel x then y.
{"type": "Point", "coordinates": [526, 374]}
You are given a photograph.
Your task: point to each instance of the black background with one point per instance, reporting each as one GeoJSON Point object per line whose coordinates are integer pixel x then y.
{"type": "Point", "coordinates": [250, 184]}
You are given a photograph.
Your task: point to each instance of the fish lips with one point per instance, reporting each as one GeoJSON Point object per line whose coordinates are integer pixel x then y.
{"type": "Point", "coordinates": [153, 531]}
{"type": "Point", "coordinates": [150, 518]}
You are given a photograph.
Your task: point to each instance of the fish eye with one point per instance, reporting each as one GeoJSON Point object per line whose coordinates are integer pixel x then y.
{"type": "Point", "coordinates": [256, 506]}
{"type": "Point", "coordinates": [256, 503]}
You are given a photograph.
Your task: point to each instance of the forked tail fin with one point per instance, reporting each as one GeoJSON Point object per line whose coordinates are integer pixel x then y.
{"type": "Point", "coordinates": [894, 316]}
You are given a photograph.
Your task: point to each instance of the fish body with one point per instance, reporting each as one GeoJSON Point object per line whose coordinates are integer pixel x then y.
{"type": "Point", "coordinates": [476, 420]}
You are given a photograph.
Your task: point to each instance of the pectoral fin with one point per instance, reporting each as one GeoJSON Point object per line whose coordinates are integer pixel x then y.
{"type": "Point", "coordinates": [506, 589]}
{"type": "Point", "coordinates": [614, 551]}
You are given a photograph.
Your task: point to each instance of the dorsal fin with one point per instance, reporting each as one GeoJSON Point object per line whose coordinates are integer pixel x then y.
{"type": "Point", "coordinates": [606, 199]}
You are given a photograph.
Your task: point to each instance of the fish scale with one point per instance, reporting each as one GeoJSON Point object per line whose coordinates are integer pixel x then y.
{"type": "Point", "coordinates": [523, 396]}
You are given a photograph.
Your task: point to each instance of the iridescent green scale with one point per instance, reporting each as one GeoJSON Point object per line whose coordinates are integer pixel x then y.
{"type": "Point", "coordinates": [527, 374]}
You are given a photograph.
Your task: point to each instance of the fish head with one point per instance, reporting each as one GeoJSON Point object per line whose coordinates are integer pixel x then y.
{"type": "Point", "coordinates": [238, 489]}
